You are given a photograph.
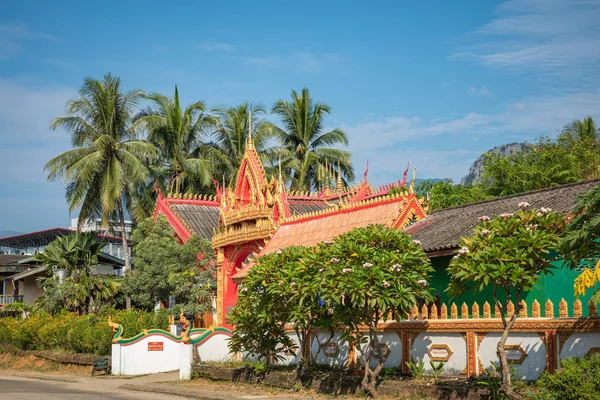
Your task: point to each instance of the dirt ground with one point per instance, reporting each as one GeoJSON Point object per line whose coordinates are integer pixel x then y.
{"type": "Point", "coordinates": [10, 362]}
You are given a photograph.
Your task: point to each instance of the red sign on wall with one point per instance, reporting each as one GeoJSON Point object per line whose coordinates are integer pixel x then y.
{"type": "Point", "coordinates": [156, 346]}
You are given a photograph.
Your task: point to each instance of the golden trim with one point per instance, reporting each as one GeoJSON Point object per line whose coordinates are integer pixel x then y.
{"type": "Point", "coordinates": [518, 348]}
{"type": "Point", "coordinates": [440, 346]}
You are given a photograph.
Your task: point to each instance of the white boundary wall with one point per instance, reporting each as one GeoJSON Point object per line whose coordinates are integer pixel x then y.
{"type": "Point", "coordinates": [530, 352]}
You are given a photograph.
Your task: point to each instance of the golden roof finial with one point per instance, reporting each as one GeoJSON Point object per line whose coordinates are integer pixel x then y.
{"type": "Point", "coordinates": [411, 188]}
{"type": "Point", "coordinates": [250, 128]}
{"type": "Point", "coordinates": [338, 184]}
{"type": "Point", "coordinates": [280, 179]}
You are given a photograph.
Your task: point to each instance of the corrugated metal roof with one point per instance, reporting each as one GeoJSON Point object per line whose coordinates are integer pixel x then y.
{"type": "Point", "coordinates": [442, 229]}
{"type": "Point", "coordinates": [202, 219]}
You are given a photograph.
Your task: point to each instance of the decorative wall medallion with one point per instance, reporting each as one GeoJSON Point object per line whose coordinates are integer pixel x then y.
{"type": "Point", "coordinates": [381, 351]}
{"type": "Point", "coordinates": [592, 351]}
{"type": "Point", "coordinates": [439, 352]}
{"type": "Point", "coordinates": [331, 350]}
{"type": "Point", "coordinates": [515, 354]}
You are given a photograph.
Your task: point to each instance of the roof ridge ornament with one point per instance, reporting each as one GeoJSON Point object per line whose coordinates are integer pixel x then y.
{"type": "Point", "coordinates": [250, 143]}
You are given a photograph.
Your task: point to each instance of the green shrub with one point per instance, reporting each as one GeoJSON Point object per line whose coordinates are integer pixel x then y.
{"type": "Point", "coordinates": [578, 379]}
{"type": "Point", "coordinates": [70, 332]}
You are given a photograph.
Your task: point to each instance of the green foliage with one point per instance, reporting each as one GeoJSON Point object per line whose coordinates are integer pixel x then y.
{"type": "Point", "coordinates": [262, 310]}
{"type": "Point", "coordinates": [371, 274]}
{"type": "Point", "coordinates": [580, 246]}
{"type": "Point", "coordinates": [176, 132]}
{"type": "Point", "coordinates": [108, 161]}
{"type": "Point", "coordinates": [577, 379]}
{"type": "Point", "coordinates": [387, 373]}
{"type": "Point", "coordinates": [436, 370]}
{"type": "Point", "coordinates": [444, 194]}
{"type": "Point", "coordinates": [507, 252]}
{"type": "Point", "coordinates": [305, 150]}
{"type": "Point", "coordinates": [82, 291]}
{"type": "Point", "coordinates": [492, 382]}
{"type": "Point", "coordinates": [540, 165]}
{"type": "Point", "coordinates": [417, 370]}
{"type": "Point", "coordinates": [231, 125]}
{"type": "Point", "coordinates": [70, 332]}
{"type": "Point", "coordinates": [165, 267]}
{"type": "Point", "coordinates": [360, 277]}
{"type": "Point", "coordinates": [582, 139]}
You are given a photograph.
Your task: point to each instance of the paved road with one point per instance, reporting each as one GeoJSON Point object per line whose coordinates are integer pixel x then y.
{"type": "Point", "coordinates": [25, 389]}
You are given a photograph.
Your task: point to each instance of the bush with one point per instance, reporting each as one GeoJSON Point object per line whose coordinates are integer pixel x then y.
{"type": "Point", "coordinates": [578, 379]}
{"type": "Point", "coordinates": [70, 332]}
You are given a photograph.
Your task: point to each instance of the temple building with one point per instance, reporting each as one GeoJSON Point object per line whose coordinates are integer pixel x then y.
{"type": "Point", "coordinates": [259, 216]}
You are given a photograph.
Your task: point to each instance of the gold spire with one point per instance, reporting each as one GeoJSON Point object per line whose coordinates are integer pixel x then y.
{"type": "Point", "coordinates": [326, 174]}
{"type": "Point", "coordinates": [411, 188]}
{"type": "Point", "coordinates": [338, 184]}
{"type": "Point", "coordinates": [250, 128]}
{"type": "Point", "coordinates": [280, 180]}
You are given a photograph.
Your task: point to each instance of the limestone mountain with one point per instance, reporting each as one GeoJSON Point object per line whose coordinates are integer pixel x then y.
{"type": "Point", "coordinates": [476, 168]}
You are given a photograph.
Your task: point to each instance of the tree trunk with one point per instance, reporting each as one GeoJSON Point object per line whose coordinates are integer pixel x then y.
{"type": "Point", "coordinates": [125, 245]}
{"type": "Point", "coordinates": [506, 387]}
{"type": "Point", "coordinates": [321, 346]}
{"type": "Point", "coordinates": [369, 382]}
{"type": "Point", "coordinates": [301, 334]}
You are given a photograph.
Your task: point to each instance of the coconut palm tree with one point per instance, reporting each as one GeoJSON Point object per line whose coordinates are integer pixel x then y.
{"type": "Point", "coordinates": [582, 138]}
{"type": "Point", "coordinates": [108, 158]}
{"type": "Point", "coordinates": [177, 132]}
{"type": "Point", "coordinates": [230, 137]}
{"type": "Point", "coordinates": [306, 152]}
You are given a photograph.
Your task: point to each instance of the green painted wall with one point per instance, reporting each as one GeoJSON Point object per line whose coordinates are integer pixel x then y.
{"type": "Point", "coordinates": [554, 287]}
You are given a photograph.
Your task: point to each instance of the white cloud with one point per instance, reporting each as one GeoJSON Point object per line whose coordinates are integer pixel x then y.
{"type": "Point", "coordinates": [482, 90]}
{"type": "Point", "coordinates": [391, 140]}
{"type": "Point", "coordinates": [558, 37]}
{"type": "Point", "coordinates": [26, 112]}
{"type": "Point", "coordinates": [298, 61]}
{"type": "Point", "coordinates": [12, 36]}
{"type": "Point", "coordinates": [216, 47]}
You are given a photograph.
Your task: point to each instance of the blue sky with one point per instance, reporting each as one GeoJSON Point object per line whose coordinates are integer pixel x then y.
{"type": "Point", "coordinates": [432, 82]}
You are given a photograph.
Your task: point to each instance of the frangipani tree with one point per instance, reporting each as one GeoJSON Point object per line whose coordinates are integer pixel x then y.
{"type": "Point", "coordinates": [289, 280]}
{"type": "Point", "coordinates": [509, 253]}
{"type": "Point", "coordinates": [261, 314]}
{"type": "Point", "coordinates": [372, 274]}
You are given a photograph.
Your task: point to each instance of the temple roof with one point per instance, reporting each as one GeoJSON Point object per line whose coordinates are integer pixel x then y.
{"type": "Point", "coordinates": [201, 219]}
{"type": "Point", "coordinates": [303, 205]}
{"type": "Point", "coordinates": [189, 214]}
{"type": "Point", "coordinates": [442, 229]}
{"type": "Point", "coordinates": [325, 226]}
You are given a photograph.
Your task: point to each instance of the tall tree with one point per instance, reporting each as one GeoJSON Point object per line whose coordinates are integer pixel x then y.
{"type": "Point", "coordinates": [444, 194]}
{"type": "Point", "coordinates": [164, 268]}
{"type": "Point", "coordinates": [540, 165]}
{"type": "Point", "coordinates": [177, 132]}
{"type": "Point", "coordinates": [230, 135]}
{"type": "Point", "coordinates": [582, 139]}
{"type": "Point", "coordinates": [107, 158]}
{"type": "Point", "coordinates": [305, 147]}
